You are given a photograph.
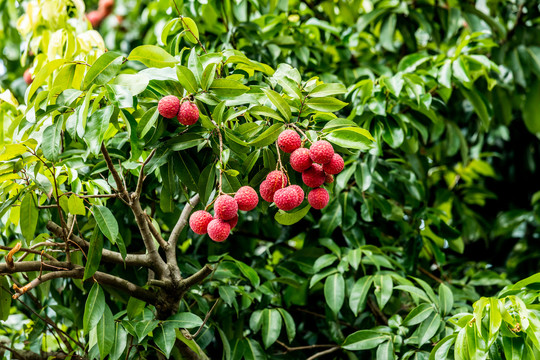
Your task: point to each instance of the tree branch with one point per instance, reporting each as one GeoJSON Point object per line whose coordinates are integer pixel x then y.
{"type": "Point", "coordinates": [156, 233]}
{"type": "Point", "coordinates": [31, 251]}
{"type": "Point", "coordinates": [124, 195]}
{"type": "Point", "coordinates": [141, 175]}
{"type": "Point", "coordinates": [325, 352]}
{"type": "Point", "coordinates": [197, 277]}
{"type": "Point", "coordinates": [182, 221]}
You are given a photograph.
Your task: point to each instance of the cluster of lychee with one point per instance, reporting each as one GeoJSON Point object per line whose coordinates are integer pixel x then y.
{"type": "Point", "coordinates": [97, 16]}
{"type": "Point", "coordinates": [170, 107]}
{"type": "Point", "coordinates": [225, 217]}
{"type": "Point", "coordinates": [317, 164]}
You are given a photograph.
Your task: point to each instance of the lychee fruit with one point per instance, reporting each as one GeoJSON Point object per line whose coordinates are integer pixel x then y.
{"type": "Point", "coordinates": [289, 140]}
{"type": "Point", "coordinates": [199, 220]}
{"type": "Point", "coordinates": [321, 152]}
{"type": "Point", "coordinates": [314, 176]}
{"type": "Point", "coordinates": [188, 113]}
{"type": "Point", "coordinates": [300, 193]}
{"type": "Point", "coordinates": [329, 179]}
{"type": "Point", "coordinates": [300, 159]}
{"type": "Point", "coordinates": [95, 17]}
{"type": "Point", "coordinates": [28, 77]}
{"type": "Point", "coordinates": [334, 166]}
{"type": "Point", "coordinates": [276, 179]}
{"type": "Point", "coordinates": [225, 207]}
{"type": "Point", "coordinates": [267, 193]}
{"type": "Point", "coordinates": [318, 198]}
{"type": "Point", "coordinates": [247, 198]}
{"type": "Point", "coordinates": [106, 6]}
{"type": "Point", "coordinates": [233, 222]}
{"type": "Point", "coordinates": [168, 106]}
{"type": "Point", "coordinates": [219, 230]}
{"type": "Point", "coordinates": [287, 198]}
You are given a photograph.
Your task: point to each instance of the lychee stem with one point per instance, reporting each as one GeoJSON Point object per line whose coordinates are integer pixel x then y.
{"type": "Point", "coordinates": [300, 131]}
{"type": "Point", "coordinates": [281, 167]}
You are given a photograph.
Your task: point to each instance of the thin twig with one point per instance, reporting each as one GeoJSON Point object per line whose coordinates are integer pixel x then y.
{"type": "Point", "coordinates": [206, 319]}
{"type": "Point", "coordinates": [325, 352]}
{"type": "Point", "coordinates": [141, 175]}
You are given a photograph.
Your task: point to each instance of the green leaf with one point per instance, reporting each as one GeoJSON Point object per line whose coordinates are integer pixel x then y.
{"type": "Point", "coordinates": [268, 137]}
{"type": "Point", "coordinates": [289, 324]}
{"type": "Point", "coordinates": [96, 128]}
{"type": "Point", "coordinates": [446, 299]}
{"type": "Point", "coordinates": [364, 340]}
{"type": "Point", "coordinates": [460, 71]}
{"type": "Point", "coordinates": [428, 328]}
{"type": "Point", "coordinates": [324, 90]}
{"type": "Point", "coordinates": [76, 205]}
{"type": "Point", "coordinates": [513, 348]}
{"type": "Point", "coordinates": [271, 326]}
{"type": "Point", "coordinates": [480, 106]}
{"type": "Point", "coordinates": [106, 221]}
{"type": "Point", "coordinates": [208, 76]}
{"type": "Point", "coordinates": [527, 281]}
{"type": "Point", "coordinates": [148, 120]}
{"type": "Point", "coordinates": [185, 320]}
{"type": "Point", "coordinates": [5, 298]}
{"type": "Point", "coordinates": [441, 350]}
{"type": "Point", "coordinates": [418, 314]}
{"type": "Point", "coordinates": [383, 289]}
{"type": "Point", "coordinates": [280, 104]}
{"type": "Point", "coordinates": [290, 218]}
{"type": "Point", "coordinates": [187, 79]}
{"type": "Point", "coordinates": [144, 327]}
{"type": "Point", "coordinates": [228, 88]}
{"type": "Point", "coordinates": [359, 292]}
{"type": "Point", "coordinates": [43, 75]}
{"type": "Point", "coordinates": [29, 216]}
{"type": "Point", "coordinates": [94, 254]}
{"type": "Point", "coordinates": [52, 144]}
{"type": "Point", "coordinates": [186, 169]}
{"type": "Point", "coordinates": [120, 342]}
{"type": "Point", "coordinates": [265, 111]}
{"type": "Point", "coordinates": [152, 56]}
{"type": "Point", "coordinates": [192, 32]}
{"type": "Point", "coordinates": [531, 115]}
{"type": "Point", "coordinates": [325, 104]}
{"type": "Point", "coordinates": [105, 333]}
{"type": "Point", "coordinates": [385, 351]}
{"type": "Point", "coordinates": [252, 350]}
{"type": "Point", "coordinates": [334, 292]}
{"type": "Point", "coordinates": [165, 337]}
{"type": "Point", "coordinates": [93, 308]}
{"type": "Point", "coordinates": [351, 138]}
{"type": "Point", "coordinates": [249, 273]}
{"type": "Point", "coordinates": [103, 69]}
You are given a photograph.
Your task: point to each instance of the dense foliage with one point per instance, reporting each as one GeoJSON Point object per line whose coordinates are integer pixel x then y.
{"type": "Point", "coordinates": [428, 248]}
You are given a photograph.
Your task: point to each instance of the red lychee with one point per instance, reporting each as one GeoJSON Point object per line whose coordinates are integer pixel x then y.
{"type": "Point", "coordinates": [300, 159]}
{"type": "Point", "coordinates": [318, 198]}
{"type": "Point", "coordinates": [287, 198]}
{"type": "Point", "coordinates": [225, 207]}
{"type": "Point", "coordinates": [233, 222]}
{"type": "Point", "coordinates": [276, 179]}
{"type": "Point", "coordinates": [106, 6]}
{"type": "Point", "coordinates": [247, 198]}
{"type": "Point", "coordinates": [198, 221]}
{"type": "Point", "coordinates": [314, 176]}
{"type": "Point", "coordinates": [188, 113]}
{"type": "Point", "coordinates": [267, 193]}
{"type": "Point", "coordinates": [27, 76]}
{"type": "Point", "coordinates": [334, 166]}
{"type": "Point", "coordinates": [219, 230]}
{"type": "Point", "coordinates": [321, 152]}
{"type": "Point", "coordinates": [329, 179]}
{"type": "Point", "coordinates": [289, 140]}
{"type": "Point", "coordinates": [168, 106]}
{"type": "Point", "coordinates": [95, 17]}
{"type": "Point", "coordinates": [300, 193]}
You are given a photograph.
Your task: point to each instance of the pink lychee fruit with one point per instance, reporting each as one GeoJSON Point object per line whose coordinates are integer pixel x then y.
{"type": "Point", "coordinates": [219, 230]}
{"type": "Point", "coordinates": [28, 77]}
{"type": "Point", "coordinates": [199, 220]}
{"type": "Point", "coordinates": [300, 159]}
{"type": "Point", "coordinates": [168, 106]}
{"type": "Point", "coordinates": [95, 17]}
{"type": "Point", "coordinates": [188, 113]}
{"type": "Point", "coordinates": [300, 193]}
{"type": "Point", "coordinates": [321, 152]}
{"type": "Point", "coordinates": [334, 166]}
{"type": "Point", "coordinates": [287, 198]}
{"type": "Point", "coordinates": [233, 222]}
{"type": "Point", "coordinates": [247, 198]}
{"type": "Point", "coordinates": [329, 179]}
{"type": "Point", "coordinates": [314, 176]}
{"type": "Point", "coordinates": [318, 198]}
{"type": "Point", "coordinates": [225, 207]}
{"type": "Point", "coordinates": [289, 140]}
{"type": "Point", "coordinates": [276, 179]}
{"type": "Point", "coordinates": [267, 193]}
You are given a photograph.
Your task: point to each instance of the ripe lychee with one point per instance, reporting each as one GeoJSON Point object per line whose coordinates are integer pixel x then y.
{"type": "Point", "coordinates": [106, 6]}
{"type": "Point", "coordinates": [329, 179]}
{"type": "Point", "coordinates": [199, 220]}
{"type": "Point", "coordinates": [334, 166]}
{"type": "Point", "coordinates": [287, 198]}
{"type": "Point", "coordinates": [300, 159]}
{"type": "Point", "coordinates": [233, 222]}
{"type": "Point", "coordinates": [168, 106]}
{"type": "Point", "coordinates": [267, 193]}
{"type": "Point", "coordinates": [289, 140]}
{"type": "Point", "coordinates": [300, 193]}
{"type": "Point", "coordinates": [95, 17]}
{"type": "Point", "coordinates": [318, 198]}
{"type": "Point", "coordinates": [321, 152]}
{"type": "Point", "coordinates": [225, 207]}
{"type": "Point", "coordinates": [276, 179]}
{"type": "Point", "coordinates": [27, 76]}
{"type": "Point", "coordinates": [247, 198]}
{"type": "Point", "coordinates": [219, 230]}
{"type": "Point", "coordinates": [188, 113]}
{"type": "Point", "coordinates": [314, 176]}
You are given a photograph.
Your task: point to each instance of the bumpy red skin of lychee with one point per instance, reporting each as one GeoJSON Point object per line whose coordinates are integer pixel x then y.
{"type": "Point", "coordinates": [329, 179]}
{"type": "Point", "coordinates": [287, 198]}
{"type": "Point", "coordinates": [188, 113]}
{"type": "Point", "coordinates": [233, 222]}
{"type": "Point", "coordinates": [199, 220]}
{"type": "Point", "coordinates": [276, 179]}
{"type": "Point", "coordinates": [225, 207]}
{"type": "Point", "coordinates": [219, 230]}
{"type": "Point", "coordinates": [300, 159]}
{"type": "Point", "coordinates": [289, 140]}
{"type": "Point", "coordinates": [314, 176]}
{"type": "Point", "coordinates": [321, 152]}
{"type": "Point", "coordinates": [28, 77]}
{"type": "Point", "coordinates": [168, 106]}
{"type": "Point", "coordinates": [267, 193]}
{"type": "Point", "coordinates": [334, 166]}
{"type": "Point", "coordinates": [300, 193]}
{"type": "Point", "coordinates": [318, 198]}
{"type": "Point", "coordinates": [95, 17]}
{"type": "Point", "coordinates": [247, 198]}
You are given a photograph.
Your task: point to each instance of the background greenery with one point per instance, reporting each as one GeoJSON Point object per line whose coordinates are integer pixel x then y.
{"type": "Point", "coordinates": [430, 227]}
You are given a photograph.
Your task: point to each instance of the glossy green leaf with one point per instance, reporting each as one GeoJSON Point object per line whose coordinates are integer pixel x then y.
{"type": "Point", "coordinates": [106, 221]}
{"type": "Point", "coordinates": [334, 292]}
{"type": "Point", "coordinates": [152, 56]}
{"type": "Point", "coordinates": [364, 340]}
{"type": "Point", "coordinates": [94, 254]}
{"type": "Point", "coordinates": [271, 326]}
{"type": "Point", "coordinates": [105, 333]}
{"type": "Point", "coordinates": [325, 104]}
{"type": "Point", "coordinates": [29, 216]}
{"type": "Point", "coordinates": [104, 69]}
{"type": "Point", "coordinates": [93, 308]}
